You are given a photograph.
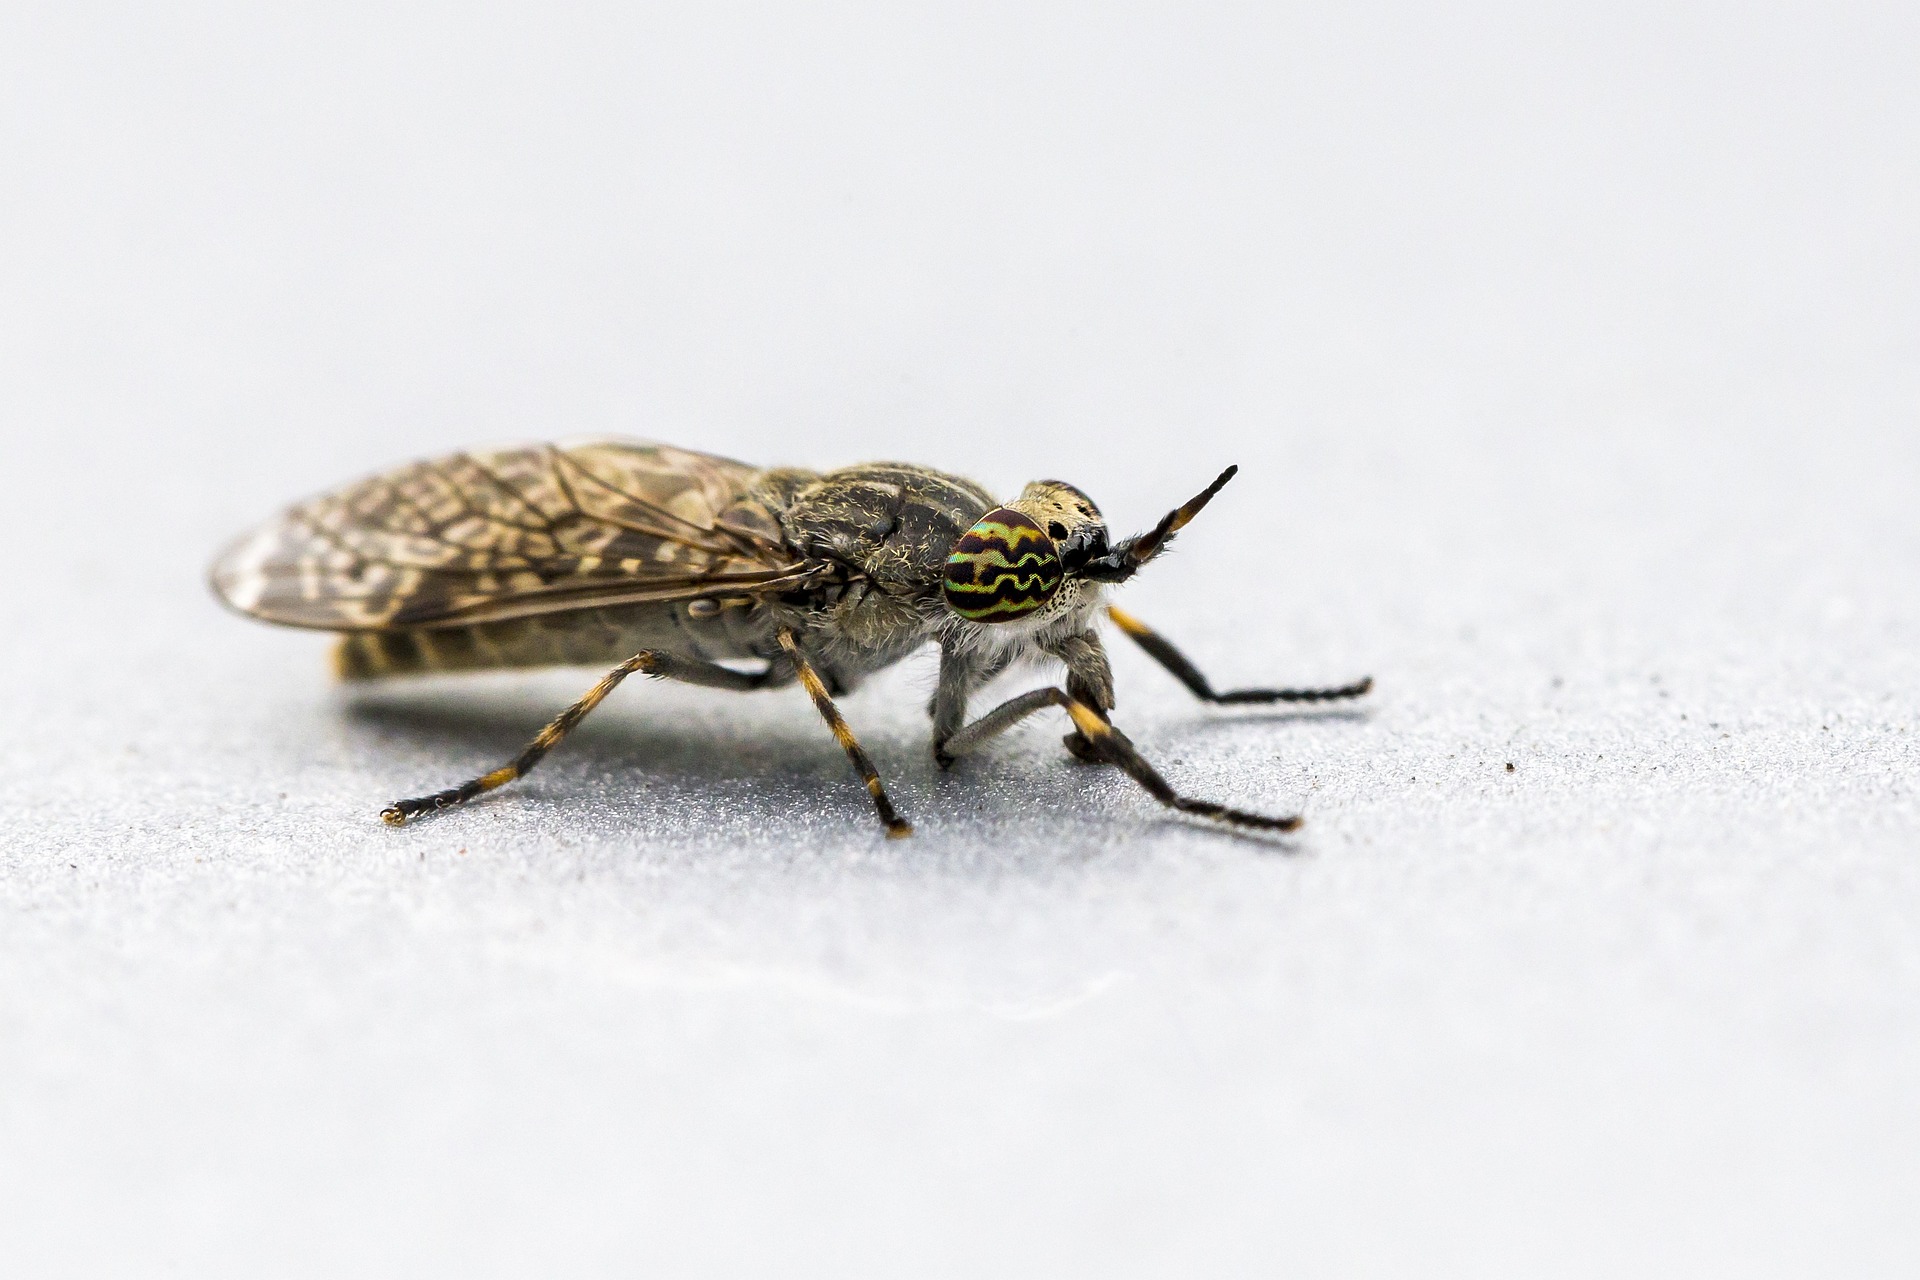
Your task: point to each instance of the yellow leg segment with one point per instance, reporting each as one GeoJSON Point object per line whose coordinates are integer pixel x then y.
{"type": "Point", "coordinates": [897, 827]}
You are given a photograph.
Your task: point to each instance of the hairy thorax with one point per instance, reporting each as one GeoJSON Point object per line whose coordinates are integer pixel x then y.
{"type": "Point", "coordinates": [887, 529]}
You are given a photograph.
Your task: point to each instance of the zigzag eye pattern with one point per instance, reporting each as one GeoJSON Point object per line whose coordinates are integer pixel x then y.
{"type": "Point", "coordinates": [1003, 568]}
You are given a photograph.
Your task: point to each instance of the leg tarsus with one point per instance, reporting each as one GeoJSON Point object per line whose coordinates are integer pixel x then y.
{"type": "Point", "coordinates": [1162, 651]}
{"type": "Point", "coordinates": [1339, 693]}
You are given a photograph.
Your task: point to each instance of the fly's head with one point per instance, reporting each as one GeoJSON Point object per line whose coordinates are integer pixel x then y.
{"type": "Point", "coordinates": [1070, 518]}
{"type": "Point", "coordinates": [1046, 554]}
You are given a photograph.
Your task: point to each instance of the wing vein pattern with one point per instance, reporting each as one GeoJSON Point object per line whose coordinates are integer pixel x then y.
{"type": "Point", "coordinates": [506, 533]}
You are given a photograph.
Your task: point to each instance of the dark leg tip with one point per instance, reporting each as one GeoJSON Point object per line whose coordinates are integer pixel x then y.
{"type": "Point", "coordinates": [899, 829]}
{"type": "Point", "coordinates": [1081, 748]}
{"type": "Point", "coordinates": [1237, 817]}
{"type": "Point", "coordinates": [1261, 822]}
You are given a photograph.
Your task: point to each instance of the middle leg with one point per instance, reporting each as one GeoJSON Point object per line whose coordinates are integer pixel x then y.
{"type": "Point", "coordinates": [897, 826]}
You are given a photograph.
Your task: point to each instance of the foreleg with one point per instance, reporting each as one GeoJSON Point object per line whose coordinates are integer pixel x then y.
{"type": "Point", "coordinates": [1107, 744]}
{"type": "Point", "coordinates": [1186, 673]}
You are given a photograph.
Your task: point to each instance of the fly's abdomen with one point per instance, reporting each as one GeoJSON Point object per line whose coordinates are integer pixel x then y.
{"type": "Point", "coordinates": [586, 637]}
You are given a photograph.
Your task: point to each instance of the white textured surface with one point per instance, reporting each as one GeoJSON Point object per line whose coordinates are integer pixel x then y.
{"type": "Point", "coordinates": [1570, 362]}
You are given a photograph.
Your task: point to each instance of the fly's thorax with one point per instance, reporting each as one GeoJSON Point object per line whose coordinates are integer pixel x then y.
{"type": "Point", "coordinates": [889, 523]}
{"type": "Point", "coordinates": [882, 530]}
{"type": "Point", "coordinates": [865, 625]}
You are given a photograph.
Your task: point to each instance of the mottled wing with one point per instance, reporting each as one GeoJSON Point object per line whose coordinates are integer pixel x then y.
{"type": "Point", "coordinates": [504, 533]}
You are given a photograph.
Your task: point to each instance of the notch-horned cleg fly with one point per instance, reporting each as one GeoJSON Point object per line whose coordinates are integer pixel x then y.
{"type": "Point", "coordinates": [671, 563]}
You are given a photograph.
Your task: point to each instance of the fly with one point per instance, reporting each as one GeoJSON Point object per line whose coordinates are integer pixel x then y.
{"type": "Point", "coordinates": [671, 563]}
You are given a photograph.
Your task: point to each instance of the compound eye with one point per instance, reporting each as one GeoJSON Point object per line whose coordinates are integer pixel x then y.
{"type": "Point", "coordinates": [1003, 568]}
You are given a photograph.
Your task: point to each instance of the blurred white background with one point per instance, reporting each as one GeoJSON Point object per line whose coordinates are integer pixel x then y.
{"type": "Point", "coordinates": [1569, 355]}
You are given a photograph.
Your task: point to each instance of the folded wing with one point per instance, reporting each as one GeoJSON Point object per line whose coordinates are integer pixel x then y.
{"type": "Point", "coordinates": [504, 533]}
